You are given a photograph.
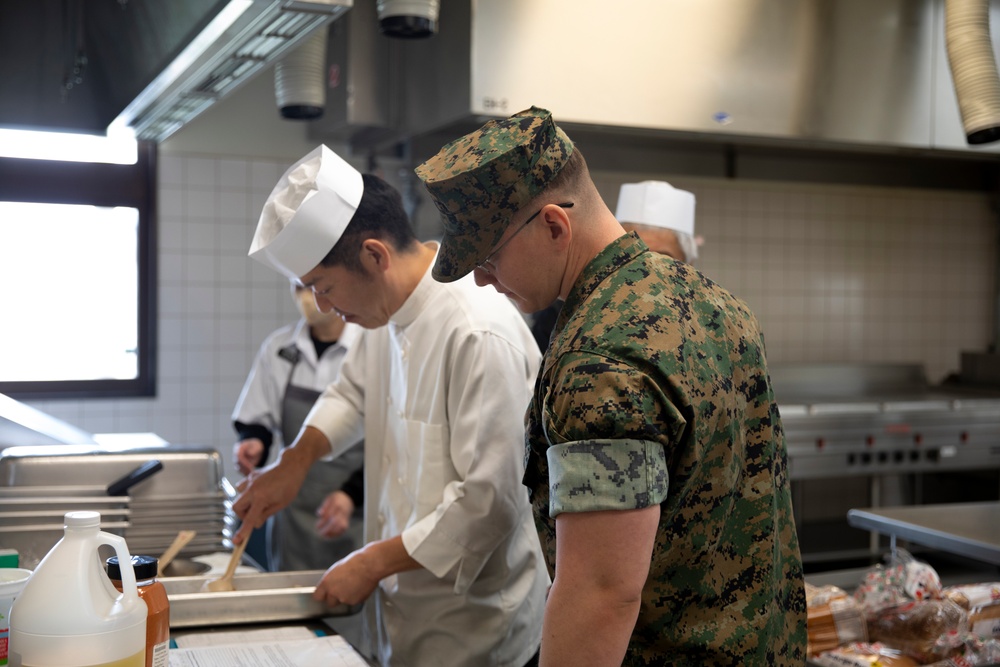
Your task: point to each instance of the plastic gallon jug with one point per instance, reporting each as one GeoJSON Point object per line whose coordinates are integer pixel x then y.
{"type": "Point", "coordinates": [69, 614]}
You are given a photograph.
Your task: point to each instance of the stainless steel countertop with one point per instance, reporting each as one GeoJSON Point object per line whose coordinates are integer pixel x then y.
{"type": "Point", "coordinates": [964, 529]}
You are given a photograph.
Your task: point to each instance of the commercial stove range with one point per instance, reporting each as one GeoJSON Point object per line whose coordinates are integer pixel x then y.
{"type": "Point", "coordinates": [863, 420]}
{"type": "Point", "coordinates": [879, 435]}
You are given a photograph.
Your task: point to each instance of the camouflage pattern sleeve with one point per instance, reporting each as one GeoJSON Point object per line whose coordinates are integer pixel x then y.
{"type": "Point", "coordinates": [605, 453]}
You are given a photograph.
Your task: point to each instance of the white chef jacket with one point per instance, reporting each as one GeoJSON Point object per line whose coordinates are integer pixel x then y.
{"type": "Point", "coordinates": [440, 394]}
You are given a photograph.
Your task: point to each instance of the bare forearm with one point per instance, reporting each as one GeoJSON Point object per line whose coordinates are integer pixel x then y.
{"type": "Point", "coordinates": [388, 557]}
{"type": "Point", "coordinates": [267, 491]}
{"type": "Point", "coordinates": [352, 579]}
{"type": "Point", "coordinates": [602, 561]}
{"type": "Point", "coordinates": [586, 626]}
{"type": "Point", "coordinates": [307, 449]}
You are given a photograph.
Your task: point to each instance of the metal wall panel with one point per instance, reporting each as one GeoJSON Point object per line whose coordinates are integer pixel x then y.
{"type": "Point", "coordinates": [841, 70]}
{"type": "Point", "coordinates": [868, 74]}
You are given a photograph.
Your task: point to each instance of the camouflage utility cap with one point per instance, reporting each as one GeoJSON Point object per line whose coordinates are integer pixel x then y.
{"type": "Point", "coordinates": [481, 180]}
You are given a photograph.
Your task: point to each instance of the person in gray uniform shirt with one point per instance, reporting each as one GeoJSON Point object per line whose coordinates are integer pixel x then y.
{"type": "Point", "coordinates": [294, 365]}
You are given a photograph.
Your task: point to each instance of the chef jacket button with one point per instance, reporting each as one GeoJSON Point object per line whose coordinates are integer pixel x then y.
{"type": "Point", "coordinates": [401, 480]}
{"type": "Point", "coordinates": [381, 519]}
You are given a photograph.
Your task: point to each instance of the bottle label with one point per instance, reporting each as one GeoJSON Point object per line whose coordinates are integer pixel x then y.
{"type": "Point", "coordinates": [161, 655]}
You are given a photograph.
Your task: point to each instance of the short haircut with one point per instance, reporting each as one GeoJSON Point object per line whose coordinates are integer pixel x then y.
{"type": "Point", "coordinates": [381, 216]}
{"type": "Point", "coordinates": [568, 181]}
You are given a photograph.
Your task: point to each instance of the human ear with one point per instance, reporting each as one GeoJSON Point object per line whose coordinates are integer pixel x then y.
{"type": "Point", "coordinates": [557, 227]}
{"type": "Point", "coordinates": [374, 255]}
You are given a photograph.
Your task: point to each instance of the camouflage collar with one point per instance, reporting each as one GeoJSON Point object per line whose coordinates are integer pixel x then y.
{"type": "Point", "coordinates": [619, 252]}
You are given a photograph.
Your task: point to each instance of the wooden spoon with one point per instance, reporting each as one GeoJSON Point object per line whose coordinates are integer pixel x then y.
{"type": "Point", "coordinates": [225, 582]}
{"type": "Point", "coordinates": [175, 547]}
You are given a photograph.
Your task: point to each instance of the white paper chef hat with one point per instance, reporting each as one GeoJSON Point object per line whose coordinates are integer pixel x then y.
{"type": "Point", "coordinates": [306, 213]}
{"type": "Point", "coordinates": [657, 204]}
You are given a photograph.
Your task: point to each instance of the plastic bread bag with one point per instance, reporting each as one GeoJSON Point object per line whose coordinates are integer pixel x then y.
{"type": "Point", "coordinates": [982, 601]}
{"type": "Point", "coordinates": [833, 618]}
{"type": "Point", "coordinates": [902, 579]}
{"type": "Point", "coordinates": [863, 655]}
{"type": "Point", "coordinates": [928, 630]}
{"type": "Point", "coordinates": [976, 652]}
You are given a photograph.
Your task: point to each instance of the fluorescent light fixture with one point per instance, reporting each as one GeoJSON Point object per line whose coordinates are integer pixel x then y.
{"type": "Point", "coordinates": [205, 40]}
{"type": "Point", "coordinates": [244, 38]}
{"type": "Point", "coordinates": [119, 147]}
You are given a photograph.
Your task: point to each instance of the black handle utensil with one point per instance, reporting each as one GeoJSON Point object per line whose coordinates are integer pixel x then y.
{"type": "Point", "coordinates": [120, 486]}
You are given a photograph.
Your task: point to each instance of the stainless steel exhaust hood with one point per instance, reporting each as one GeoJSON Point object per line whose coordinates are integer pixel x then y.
{"type": "Point", "coordinates": [84, 65]}
{"type": "Point", "coordinates": [862, 74]}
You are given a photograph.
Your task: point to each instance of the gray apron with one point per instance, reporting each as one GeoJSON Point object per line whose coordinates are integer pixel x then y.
{"type": "Point", "coordinates": [293, 543]}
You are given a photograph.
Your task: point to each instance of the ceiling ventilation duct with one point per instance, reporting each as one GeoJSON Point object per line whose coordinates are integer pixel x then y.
{"type": "Point", "coordinates": [408, 19]}
{"type": "Point", "coordinates": [244, 38]}
{"type": "Point", "coordinates": [299, 81]}
{"type": "Point", "coordinates": [973, 68]}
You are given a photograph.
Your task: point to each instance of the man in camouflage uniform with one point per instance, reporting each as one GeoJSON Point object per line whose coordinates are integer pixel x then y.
{"type": "Point", "coordinates": [655, 454]}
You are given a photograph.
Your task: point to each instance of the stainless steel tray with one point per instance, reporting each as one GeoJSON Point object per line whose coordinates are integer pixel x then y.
{"type": "Point", "coordinates": [30, 517]}
{"type": "Point", "coordinates": [34, 541]}
{"type": "Point", "coordinates": [258, 598]}
{"type": "Point", "coordinates": [187, 469]}
{"type": "Point", "coordinates": [87, 491]}
{"type": "Point", "coordinates": [62, 505]}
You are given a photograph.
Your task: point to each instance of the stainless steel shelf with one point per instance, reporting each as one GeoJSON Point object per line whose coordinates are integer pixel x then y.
{"type": "Point", "coordinates": [964, 529]}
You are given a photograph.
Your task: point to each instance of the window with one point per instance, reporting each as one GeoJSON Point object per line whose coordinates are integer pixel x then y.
{"type": "Point", "coordinates": [77, 278]}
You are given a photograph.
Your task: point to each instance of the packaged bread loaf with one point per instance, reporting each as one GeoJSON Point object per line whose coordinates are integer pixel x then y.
{"type": "Point", "coordinates": [901, 580]}
{"type": "Point", "coordinates": [863, 655]}
{"type": "Point", "coordinates": [975, 652]}
{"type": "Point", "coordinates": [921, 629]}
{"type": "Point", "coordinates": [982, 602]}
{"type": "Point", "coordinates": [833, 618]}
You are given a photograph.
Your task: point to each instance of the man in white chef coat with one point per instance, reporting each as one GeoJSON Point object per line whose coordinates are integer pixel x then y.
{"type": "Point", "coordinates": [438, 385]}
{"type": "Point", "coordinates": [292, 368]}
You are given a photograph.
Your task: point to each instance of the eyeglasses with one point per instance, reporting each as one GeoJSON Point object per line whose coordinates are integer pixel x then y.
{"type": "Point", "coordinates": [488, 265]}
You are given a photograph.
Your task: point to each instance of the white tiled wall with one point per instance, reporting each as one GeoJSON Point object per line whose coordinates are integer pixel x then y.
{"type": "Point", "coordinates": [834, 273]}
{"type": "Point", "coordinates": [851, 274]}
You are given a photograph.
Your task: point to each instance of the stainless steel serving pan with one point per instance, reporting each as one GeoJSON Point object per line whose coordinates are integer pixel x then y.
{"type": "Point", "coordinates": [186, 469]}
{"type": "Point", "coordinates": [56, 517]}
{"type": "Point", "coordinates": [259, 598]}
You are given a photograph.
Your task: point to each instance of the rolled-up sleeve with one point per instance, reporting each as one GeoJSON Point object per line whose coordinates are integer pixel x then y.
{"type": "Point", "coordinates": [607, 449]}
{"type": "Point", "coordinates": [593, 475]}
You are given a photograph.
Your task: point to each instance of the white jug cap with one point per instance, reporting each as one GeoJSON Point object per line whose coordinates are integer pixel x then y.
{"type": "Point", "coordinates": [82, 519]}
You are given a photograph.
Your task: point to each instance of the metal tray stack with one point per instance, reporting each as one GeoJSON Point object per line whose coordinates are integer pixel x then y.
{"type": "Point", "coordinates": [39, 484]}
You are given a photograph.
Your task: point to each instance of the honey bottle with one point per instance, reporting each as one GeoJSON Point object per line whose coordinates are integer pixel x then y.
{"type": "Point", "coordinates": [154, 595]}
